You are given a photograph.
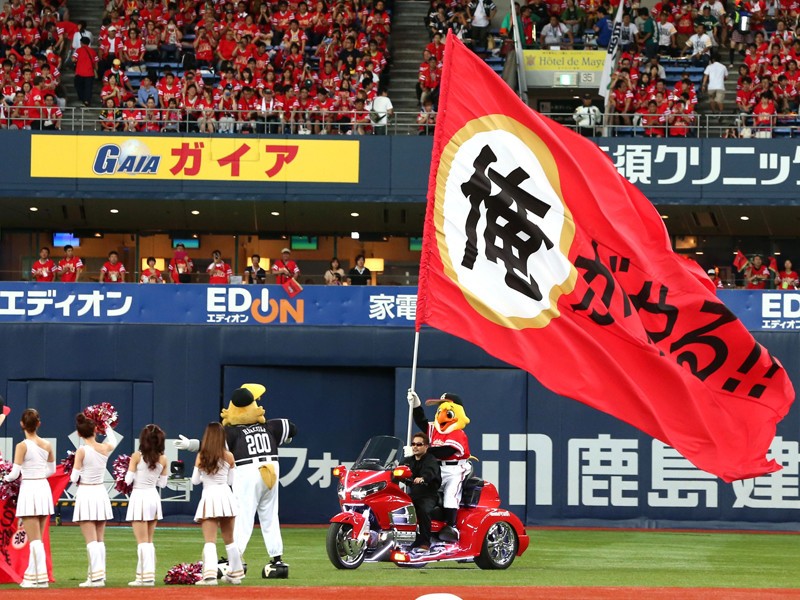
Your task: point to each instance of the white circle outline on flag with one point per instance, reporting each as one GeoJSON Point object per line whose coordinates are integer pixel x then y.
{"type": "Point", "coordinates": [540, 153]}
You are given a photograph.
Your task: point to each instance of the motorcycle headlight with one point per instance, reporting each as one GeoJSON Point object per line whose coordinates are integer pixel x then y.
{"type": "Point", "coordinates": [340, 491]}
{"type": "Point", "coordinates": [363, 491]}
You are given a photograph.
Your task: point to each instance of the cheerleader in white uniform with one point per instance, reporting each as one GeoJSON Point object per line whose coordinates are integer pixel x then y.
{"type": "Point", "coordinates": [146, 470]}
{"type": "Point", "coordinates": [35, 461]}
{"type": "Point", "coordinates": [92, 505]}
{"type": "Point", "coordinates": [217, 509]}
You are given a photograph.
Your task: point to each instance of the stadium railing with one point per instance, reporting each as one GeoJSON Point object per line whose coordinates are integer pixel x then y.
{"type": "Point", "coordinates": [403, 123]}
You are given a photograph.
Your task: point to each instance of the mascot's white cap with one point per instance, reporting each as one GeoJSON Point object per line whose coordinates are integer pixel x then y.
{"type": "Point", "coordinates": [247, 394]}
{"type": "Point", "coordinates": [439, 596]}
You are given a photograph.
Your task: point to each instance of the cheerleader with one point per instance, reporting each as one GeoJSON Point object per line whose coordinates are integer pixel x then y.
{"type": "Point", "coordinates": [217, 508]}
{"type": "Point", "coordinates": [146, 470]}
{"type": "Point", "coordinates": [35, 461]}
{"type": "Point", "coordinates": [92, 506]}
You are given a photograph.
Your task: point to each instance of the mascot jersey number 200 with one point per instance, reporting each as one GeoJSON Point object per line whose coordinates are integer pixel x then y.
{"type": "Point", "coordinates": [253, 440]}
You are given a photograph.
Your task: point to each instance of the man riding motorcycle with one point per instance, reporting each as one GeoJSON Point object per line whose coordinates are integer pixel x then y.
{"type": "Point", "coordinates": [426, 478]}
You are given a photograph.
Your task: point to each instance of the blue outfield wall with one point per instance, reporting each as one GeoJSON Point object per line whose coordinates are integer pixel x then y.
{"type": "Point", "coordinates": [390, 168]}
{"type": "Point", "coordinates": [555, 460]}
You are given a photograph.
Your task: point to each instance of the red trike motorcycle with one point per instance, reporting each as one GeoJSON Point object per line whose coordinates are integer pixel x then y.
{"type": "Point", "coordinates": [378, 521]}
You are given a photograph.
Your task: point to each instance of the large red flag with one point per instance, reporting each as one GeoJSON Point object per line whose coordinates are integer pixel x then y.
{"type": "Point", "coordinates": [14, 541]}
{"type": "Point", "coordinates": [538, 251]}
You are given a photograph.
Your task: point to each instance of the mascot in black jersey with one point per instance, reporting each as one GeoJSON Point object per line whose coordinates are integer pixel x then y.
{"type": "Point", "coordinates": [254, 442]}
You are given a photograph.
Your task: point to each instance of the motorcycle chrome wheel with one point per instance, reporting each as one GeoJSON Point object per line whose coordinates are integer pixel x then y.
{"type": "Point", "coordinates": [343, 551]}
{"type": "Point", "coordinates": [499, 547]}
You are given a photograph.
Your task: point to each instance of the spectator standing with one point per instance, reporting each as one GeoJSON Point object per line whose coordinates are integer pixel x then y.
{"type": "Point", "coordinates": [602, 28]}
{"type": "Point", "coordinates": [85, 60]}
{"type": "Point", "coordinates": [381, 111]}
{"type": "Point", "coordinates": [587, 117]}
{"type": "Point", "coordinates": [70, 267]}
{"type": "Point", "coordinates": [109, 49]}
{"type": "Point", "coordinates": [285, 269]}
{"type": "Point", "coordinates": [44, 269]}
{"type": "Point", "coordinates": [628, 34]}
{"type": "Point", "coordinates": [146, 91]}
{"type": "Point", "coordinates": [714, 83]}
{"type": "Point", "coordinates": [429, 81]}
{"type": "Point", "coordinates": [334, 269]}
{"type": "Point", "coordinates": [666, 35]}
{"type": "Point", "coordinates": [82, 32]}
{"type": "Point", "coordinates": [646, 37]}
{"type": "Point", "coordinates": [219, 272]}
{"type": "Point", "coordinates": [359, 274]}
{"type": "Point", "coordinates": [255, 273]}
{"type": "Point", "coordinates": [757, 274]}
{"type": "Point", "coordinates": [788, 278]}
{"type": "Point", "coordinates": [51, 114]}
{"type": "Point", "coordinates": [112, 270]}
{"type": "Point", "coordinates": [764, 116]}
{"type": "Point", "coordinates": [270, 110]}
{"type": "Point", "coordinates": [151, 274]}
{"type": "Point", "coordinates": [713, 275]}
{"type": "Point", "coordinates": [180, 265]}
{"type": "Point", "coordinates": [482, 12]}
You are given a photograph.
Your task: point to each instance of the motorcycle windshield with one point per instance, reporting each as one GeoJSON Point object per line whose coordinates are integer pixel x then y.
{"type": "Point", "coordinates": [381, 452]}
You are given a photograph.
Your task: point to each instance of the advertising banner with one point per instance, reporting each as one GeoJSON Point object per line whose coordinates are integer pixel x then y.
{"type": "Point", "coordinates": [195, 158]}
{"type": "Point", "coordinates": [563, 60]}
{"type": "Point", "coordinates": [376, 306]}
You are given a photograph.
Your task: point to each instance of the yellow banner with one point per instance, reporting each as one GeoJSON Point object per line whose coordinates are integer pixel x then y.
{"type": "Point", "coordinates": [564, 60]}
{"type": "Point", "coordinates": [195, 158]}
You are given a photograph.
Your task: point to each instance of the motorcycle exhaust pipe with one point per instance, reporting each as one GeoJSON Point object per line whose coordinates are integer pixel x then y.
{"type": "Point", "coordinates": [378, 554]}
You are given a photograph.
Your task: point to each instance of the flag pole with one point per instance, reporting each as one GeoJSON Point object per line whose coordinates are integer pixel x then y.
{"type": "Point", "coordinates": [413, 384]}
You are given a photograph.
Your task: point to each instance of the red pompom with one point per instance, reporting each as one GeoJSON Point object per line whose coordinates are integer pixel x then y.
{"type": "Point", "coordinates": [184, 574]}
{"type": "Point", "coordinates": [69, 462]}
{"type": "Point", "coordinates": [104, 415]}
{"type": "Point", "coordinates": [119, 469]}
{"type": "Point", "coordinates": [9, 490]}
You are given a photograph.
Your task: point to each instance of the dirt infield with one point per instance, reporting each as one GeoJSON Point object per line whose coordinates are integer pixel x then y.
{"type": "Point", "coordinates": [410, 593]}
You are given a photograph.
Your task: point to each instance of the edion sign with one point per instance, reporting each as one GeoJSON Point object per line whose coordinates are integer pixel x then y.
{"type": "Point", "coordinates": [777, 305]}
{"type": "Point", "coordinates": [260, 307]}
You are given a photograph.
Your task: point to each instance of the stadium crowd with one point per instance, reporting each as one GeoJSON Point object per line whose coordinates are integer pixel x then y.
{"type": "Point", "coordinates": [695, 39]}
{"type": "Point", "coordinates": [252, 66]}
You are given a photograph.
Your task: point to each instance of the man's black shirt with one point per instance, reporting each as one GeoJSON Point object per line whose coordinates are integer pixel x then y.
{"type": "Point", "coordinates": [427, 468]}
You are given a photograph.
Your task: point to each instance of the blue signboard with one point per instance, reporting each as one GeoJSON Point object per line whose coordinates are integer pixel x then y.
{"type": "Point", "coordinates": [200, 304]}
{"type": "Point", "coordinates": [206, 304]}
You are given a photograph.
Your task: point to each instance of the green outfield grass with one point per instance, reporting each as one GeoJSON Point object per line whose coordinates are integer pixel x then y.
{"type": "Point", "coordinates": [555, 558]}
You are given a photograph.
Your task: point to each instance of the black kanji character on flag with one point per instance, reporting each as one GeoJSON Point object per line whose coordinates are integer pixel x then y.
{"type": "Point", "coordinates": [510, 236]}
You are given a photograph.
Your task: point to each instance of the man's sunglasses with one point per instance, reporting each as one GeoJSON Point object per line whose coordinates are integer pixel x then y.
{"type": "Point", "coordinates": [417, 444]}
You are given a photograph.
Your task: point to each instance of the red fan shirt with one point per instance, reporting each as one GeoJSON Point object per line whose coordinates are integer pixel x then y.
{"type": "Point", "coordinates": [44, 271]}
{"type": "Point", "coordinates": [68, 268]}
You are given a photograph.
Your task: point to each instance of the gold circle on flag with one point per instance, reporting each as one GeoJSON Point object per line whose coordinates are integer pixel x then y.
{"type": "Point", "coordinates": [538, 147]}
